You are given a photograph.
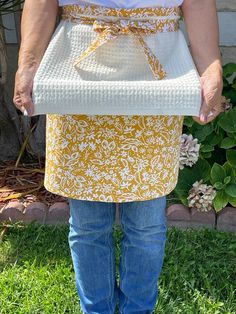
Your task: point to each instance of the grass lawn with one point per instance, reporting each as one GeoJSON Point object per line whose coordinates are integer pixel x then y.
{"type": "Point", "coordinates": [36, 273]}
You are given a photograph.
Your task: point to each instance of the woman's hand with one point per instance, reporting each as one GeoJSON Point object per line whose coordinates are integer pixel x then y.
{"type": "Point", "coordinates": [212, 85]}
{"type": "Point", "coordinates": [38, 23]}
{"type": "Point", "coordinates": [23, 90]}
{"type": "Point", "coordinates": [201, 21]}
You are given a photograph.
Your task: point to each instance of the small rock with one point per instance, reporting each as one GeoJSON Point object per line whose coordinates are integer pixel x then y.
{"type": "Point", "coordinates": [178, 212]}
{"type": "Point", "coordinates": [178, 216]}
{"type": "Point", "coordinates": [226, 219]}
{"type": "Point", "coordinates": [203, 219]}
{"type": "Point", "coordinates": [12, 211]}
{"type": "Point", "coordinates": [181, 216]}
{"type": "Point", "coordinates": [35, 211]}
{"type": "Point", "coordinates": [57, 205]}
{"type": "Point", "coordinates": [59, 213]}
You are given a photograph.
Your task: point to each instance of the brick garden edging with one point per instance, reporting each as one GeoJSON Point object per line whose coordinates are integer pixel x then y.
{"type": "Point", "coordinates": [177, 215]}
{"type": "Point", "coordinates": [181, 216]}
{"type": "Point", "coordinates": [58, 213]}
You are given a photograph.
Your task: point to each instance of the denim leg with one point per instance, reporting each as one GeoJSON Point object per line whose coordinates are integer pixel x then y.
{"type": "Point", "coordinates": [93, 254]}
{"type": "Point", "coordinates": [142, 254]}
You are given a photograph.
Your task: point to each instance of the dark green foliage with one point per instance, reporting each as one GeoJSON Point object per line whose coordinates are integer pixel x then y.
{"type": "Point", "coordinates": [217, 161]}
{"type": "Point", "coordinates": [8, 6]}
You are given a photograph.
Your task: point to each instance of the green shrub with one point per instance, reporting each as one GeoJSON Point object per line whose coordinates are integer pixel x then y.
{"type": "Point", "coordinates": [216, 165]}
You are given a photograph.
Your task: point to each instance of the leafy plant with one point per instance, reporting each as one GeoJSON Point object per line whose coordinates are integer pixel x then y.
{"type": "Point", "coordinates": [223, 179]}
{"type": "Point", "coordinates": [187, 176]}
{"type": "Point", "coordinates": [217, 155]}
{"type": "Point", "coordinates": [229, 79]}
{"type": "Point", "coordinates": [8, 6]}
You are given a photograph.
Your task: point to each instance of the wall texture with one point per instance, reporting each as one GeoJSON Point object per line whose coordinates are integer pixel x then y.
{"type": "Point", "coordinates": [227, 20]}
{"type": "Point", "coordinates": [227, 26]}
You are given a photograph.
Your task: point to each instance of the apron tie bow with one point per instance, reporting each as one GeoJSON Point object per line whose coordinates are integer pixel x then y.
{"type": "Point", "coordinates": [108, 30]}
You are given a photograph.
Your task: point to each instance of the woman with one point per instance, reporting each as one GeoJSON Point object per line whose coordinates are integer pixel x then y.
{"type": "Point", "coordinates": [89, 161]}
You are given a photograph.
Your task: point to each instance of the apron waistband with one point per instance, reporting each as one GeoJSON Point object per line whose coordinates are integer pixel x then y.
{"type": "Point", "coordinates": [109, 23]}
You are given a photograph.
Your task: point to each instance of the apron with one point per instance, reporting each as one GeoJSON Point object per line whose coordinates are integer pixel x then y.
{"type": "Point", "coordinates": [115, 157]}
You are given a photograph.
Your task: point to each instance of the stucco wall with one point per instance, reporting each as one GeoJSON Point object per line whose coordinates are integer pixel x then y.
{"type": "Point", "coordinates": [227, 19]}
{"type": "Point", "coordinates": [227, 26]}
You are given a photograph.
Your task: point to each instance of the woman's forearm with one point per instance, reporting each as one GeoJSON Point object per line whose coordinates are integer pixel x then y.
{"type": "Point", "coordinates": [37, 25]}
{"type": "Point", "coordinates": [201, 23]}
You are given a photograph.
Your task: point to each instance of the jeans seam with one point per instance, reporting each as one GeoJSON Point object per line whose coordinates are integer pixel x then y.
{"type": "Point", "coordinates": [109, 300]}
{"type": "Point", "coordinates": [124, 254]}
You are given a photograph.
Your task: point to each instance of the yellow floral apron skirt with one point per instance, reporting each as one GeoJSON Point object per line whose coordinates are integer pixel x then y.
{"type": "Point", "coordinates": [112, 158]}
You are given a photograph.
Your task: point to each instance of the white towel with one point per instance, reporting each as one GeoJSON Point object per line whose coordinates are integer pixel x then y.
{"type": "Point", "coordinates": [116, 79]}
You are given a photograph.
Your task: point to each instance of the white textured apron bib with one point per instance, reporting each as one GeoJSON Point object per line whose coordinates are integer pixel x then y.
{"type": "Point", "coordinates": [110, 61]}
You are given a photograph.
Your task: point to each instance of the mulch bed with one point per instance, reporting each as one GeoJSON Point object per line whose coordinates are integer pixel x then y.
{"type": "Point", "coordinates": [23, 197]}
{"type": "Point", "coordinates": [24, 183]}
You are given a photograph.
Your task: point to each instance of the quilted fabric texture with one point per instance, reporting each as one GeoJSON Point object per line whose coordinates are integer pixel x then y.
{"type": "Point", "coordinates": [116, 79]}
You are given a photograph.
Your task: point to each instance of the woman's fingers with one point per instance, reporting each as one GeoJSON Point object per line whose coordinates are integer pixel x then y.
{"type": "Point", "coordinates": [24, 103]}
{"type": "Point", "coordinates": [18, 104]}
{"type": "Point", "coordinates": [27, 103]}
{"type": "Point", "coordinates": [211, 106]}
{"type": "Point", "coordinates": [210, 110]}
{"type": "Point", "coordinates": [211, 99]}
{"type": "Point", "coordinates": [22, 93]}
{"type": "Point", "coordinates": [208, 116]}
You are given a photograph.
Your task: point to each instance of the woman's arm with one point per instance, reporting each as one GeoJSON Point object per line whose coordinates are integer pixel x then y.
{"type": "Point", "coordinates": [201, 23]}
{"type": "Point", "coordinates": [37, 26]}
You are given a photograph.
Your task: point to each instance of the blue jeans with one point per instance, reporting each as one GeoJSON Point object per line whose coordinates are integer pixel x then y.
{"type": "Point", "coordinates": [93, 254]}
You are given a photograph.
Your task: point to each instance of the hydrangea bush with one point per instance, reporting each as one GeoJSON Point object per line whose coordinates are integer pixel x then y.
{"type": "Point", "coordinates": [207, 175]}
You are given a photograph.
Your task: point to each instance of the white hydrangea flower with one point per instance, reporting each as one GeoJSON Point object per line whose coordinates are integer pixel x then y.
{"type": "Point", "coordinates": [201, 196]}
{"type": "Point", "coordinates": [189, 151]}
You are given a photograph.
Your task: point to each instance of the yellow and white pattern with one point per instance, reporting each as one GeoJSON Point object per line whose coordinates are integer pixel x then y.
{"type": "Point", "coordinates": [113, 158]}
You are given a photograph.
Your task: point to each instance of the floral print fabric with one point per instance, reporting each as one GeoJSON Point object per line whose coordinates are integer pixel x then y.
{"type": "Point", "coordinates": [112, 158]}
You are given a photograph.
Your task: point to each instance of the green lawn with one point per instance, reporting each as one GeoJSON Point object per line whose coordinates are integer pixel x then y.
{"type": "Point", "coordinates": [36, 274]}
